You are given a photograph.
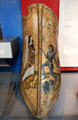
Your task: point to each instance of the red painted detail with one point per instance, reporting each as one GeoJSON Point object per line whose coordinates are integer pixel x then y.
{"type": "Point", "coordinates": [52, 4]}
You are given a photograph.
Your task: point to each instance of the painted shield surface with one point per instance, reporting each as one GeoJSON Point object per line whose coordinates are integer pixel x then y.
{"type": "Point", "coordinates": [40, 81]}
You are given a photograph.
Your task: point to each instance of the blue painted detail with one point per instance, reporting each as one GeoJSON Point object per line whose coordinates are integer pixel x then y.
{"type": "Point", "coordinates": [11, 21]}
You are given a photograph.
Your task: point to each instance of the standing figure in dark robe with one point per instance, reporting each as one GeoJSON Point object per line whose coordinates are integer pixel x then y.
{"type": "Point", "coordinates": [50, 57]}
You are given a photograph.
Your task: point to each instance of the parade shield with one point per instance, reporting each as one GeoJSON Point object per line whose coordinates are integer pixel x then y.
{"type": "Point", "coordinates": [40, 77]}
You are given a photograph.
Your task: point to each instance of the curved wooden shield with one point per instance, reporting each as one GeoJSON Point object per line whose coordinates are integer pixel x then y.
{"type": "Point", "coordinates": [40, 81]}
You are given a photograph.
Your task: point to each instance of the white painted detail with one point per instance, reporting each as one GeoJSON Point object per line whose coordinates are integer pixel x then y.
{"type": "Point", "coordinates": [28, 72]}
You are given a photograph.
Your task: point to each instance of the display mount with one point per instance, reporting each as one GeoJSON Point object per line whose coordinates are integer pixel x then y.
{"type": "Point", "coordinates": [9, 48]}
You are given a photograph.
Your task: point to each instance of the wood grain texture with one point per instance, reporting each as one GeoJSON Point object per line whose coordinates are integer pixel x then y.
{"type": "Point", "coordinates": [40, 79]}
